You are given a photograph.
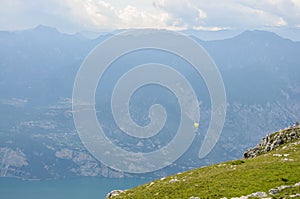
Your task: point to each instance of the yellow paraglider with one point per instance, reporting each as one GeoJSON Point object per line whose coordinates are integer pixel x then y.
{"type": "Point", "coordinates": [196, 125]}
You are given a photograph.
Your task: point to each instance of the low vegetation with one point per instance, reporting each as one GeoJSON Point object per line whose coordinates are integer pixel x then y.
{"type": "Point", "coordinates": [280, 166]}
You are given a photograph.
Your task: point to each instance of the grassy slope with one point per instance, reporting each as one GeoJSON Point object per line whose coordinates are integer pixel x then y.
{"type": "Point", "coordinates": [229, 179]}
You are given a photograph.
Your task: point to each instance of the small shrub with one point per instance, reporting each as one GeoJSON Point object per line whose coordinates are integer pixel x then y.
{"type": "Point", "coordinates": [237, 162]}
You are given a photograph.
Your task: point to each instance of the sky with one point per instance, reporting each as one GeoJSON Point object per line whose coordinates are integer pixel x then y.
{"type": "Point", "coordinates": [97, 15]}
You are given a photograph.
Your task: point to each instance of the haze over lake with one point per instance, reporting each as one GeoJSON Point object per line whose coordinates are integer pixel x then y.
{"type": "Point", "coordinates": [79, 188]}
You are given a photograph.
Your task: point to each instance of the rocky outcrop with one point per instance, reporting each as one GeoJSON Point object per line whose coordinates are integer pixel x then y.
{"type": "Point", "coordinates": [272, 192]}
{"type": "Point", "coordinates": [114, 193]}
{"type": "Point", "coordinates": [283, 187]}
{"type": "Point", "coordinates": [252, 195]}
{"type": "Point", "coordinates": [272, 141]}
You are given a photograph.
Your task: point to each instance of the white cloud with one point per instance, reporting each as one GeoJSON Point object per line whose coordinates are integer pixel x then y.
{"type": "Point", "coordinates": [20, 14]}
{"type": "Point", "coordinates": [77, 15]}
{"type": "Point", "coordinates": [91, 14]}
{"type": "Point", "coordinates": [231, 13]}
{"type": "Point", "coordinates": [287, 11]}
{"type": "Point", "coordinates": [131, 16]}
{"type": "Point", "coordinates": [181, 13]}
{"type": "Point", "coordinates": [72, 15]}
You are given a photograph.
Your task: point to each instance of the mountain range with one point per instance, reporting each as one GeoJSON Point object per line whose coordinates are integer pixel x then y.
{"type": "Point", "coordinates": [38, 139]}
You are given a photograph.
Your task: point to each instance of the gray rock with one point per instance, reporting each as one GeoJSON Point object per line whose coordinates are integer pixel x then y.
{"type": "Point", "coordinates": [282, 187]}
{"type": "Point", "coordinates": [292, 134]}
{"type": "Point", "coordinates": [295, 195]}
{"type": "Point", "coordinates": [258, 194]}
{"type": "Point", "coordinates": [268, 148]}
{"type": "Point", "coordinates": [251, 153]}
{"type": "Point", "coordinates": [273, 191]}
{"type": "Point", "coordinates": [173, 180]}
{"type": "Point", "coordinates": [279, 141]}
{"type": "Point", "coordinates": [273, 141]}
{"type": "Point", "coordinates": [114, 193]}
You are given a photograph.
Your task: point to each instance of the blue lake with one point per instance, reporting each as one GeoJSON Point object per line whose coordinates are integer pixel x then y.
{"type": "Point", "coordinates": [81, 188]}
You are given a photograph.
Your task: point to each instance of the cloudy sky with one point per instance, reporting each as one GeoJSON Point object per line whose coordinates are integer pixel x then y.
{"type": "Point", "coordinates": [96, 15]}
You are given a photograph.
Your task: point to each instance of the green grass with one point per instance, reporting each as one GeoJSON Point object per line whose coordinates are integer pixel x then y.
{"type": "Point", "coordinates": [287, 192]}
{"type": "Point", "coordinates": [230, 179]}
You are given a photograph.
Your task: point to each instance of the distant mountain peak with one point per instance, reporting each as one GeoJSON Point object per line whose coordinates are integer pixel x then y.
{"type": "Point", "coordinates": [43, 28]}
{"type": "Point", "coordinates": [258, 35]}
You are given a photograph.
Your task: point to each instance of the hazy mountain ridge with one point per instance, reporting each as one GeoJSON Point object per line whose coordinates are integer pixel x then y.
{"type": "Point", "coordinates": [38, 67]}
